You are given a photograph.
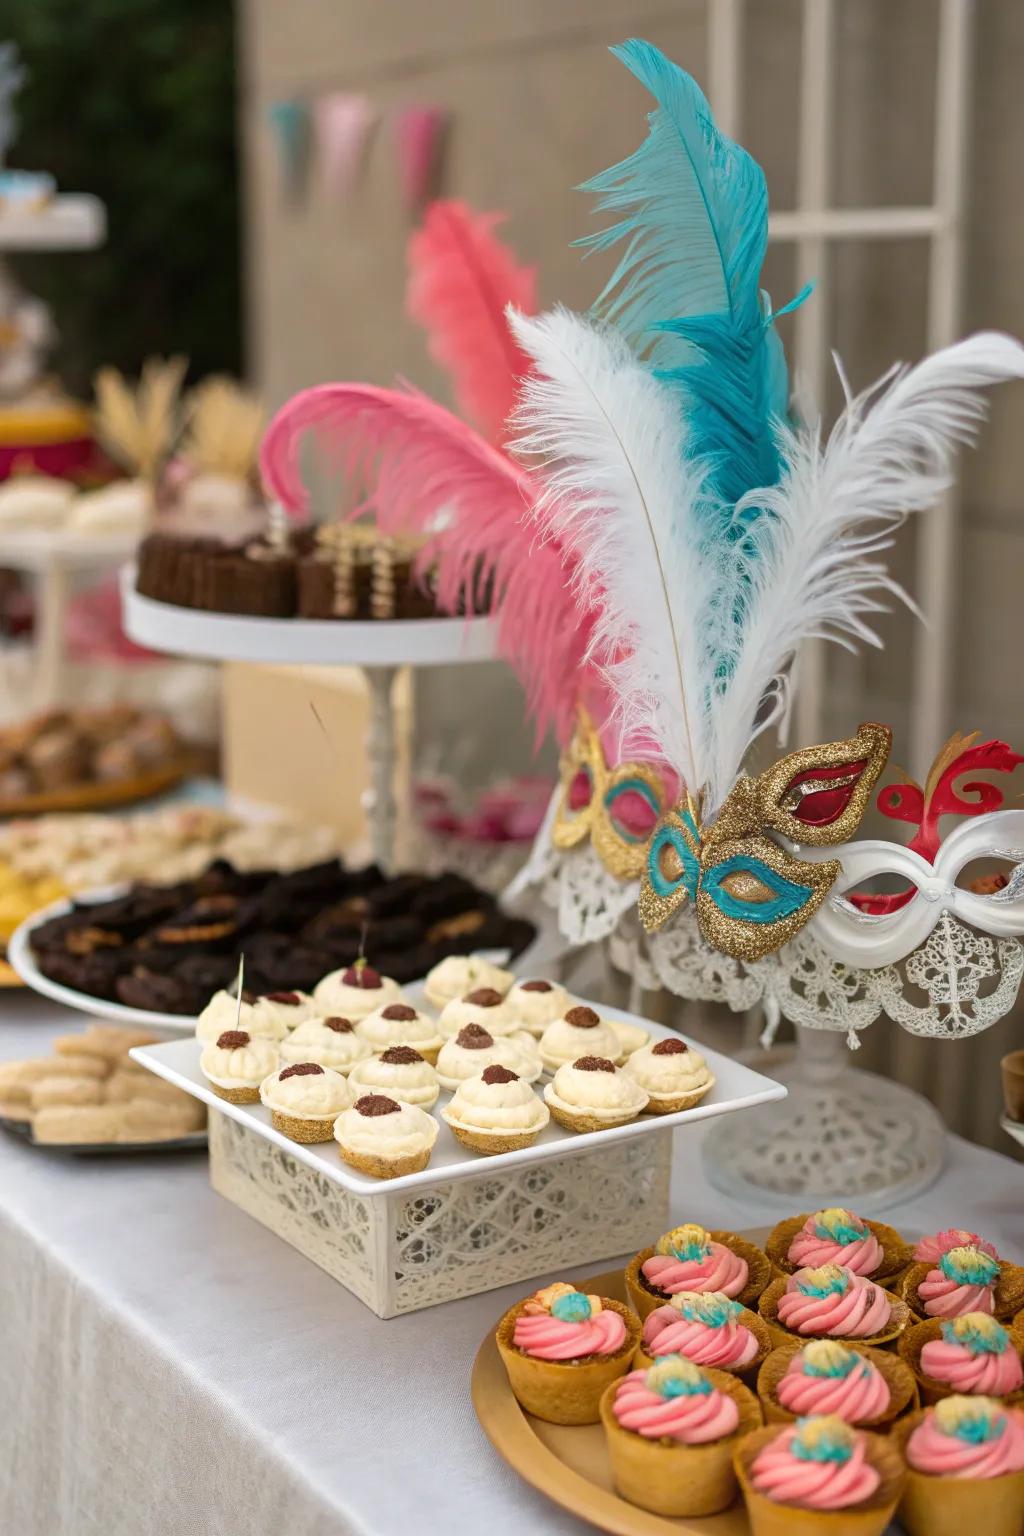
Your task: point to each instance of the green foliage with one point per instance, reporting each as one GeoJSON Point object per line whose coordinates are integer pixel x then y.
{"type": "Point", "coordinates": [134, 100]}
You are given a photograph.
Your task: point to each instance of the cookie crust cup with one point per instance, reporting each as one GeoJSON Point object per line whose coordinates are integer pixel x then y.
{"type": "Point", "coordinates": [951, 1506]}
{"type": "Point", "coordinates": [1009, 1292]}
{"type": "Point", "coordinates": [384, 1167]}
{"type": "Point", "coordinates": [560, 1391]}
{"type": "Point", "coordinates": [746, 1373]}
{"type": "Point", "coordinates": [899, 1378]}
{"type": "Point", "coordinates": [671, 1478]}
{"type": "Point", "coordinates": [302, 1128]}
{"type": "Point", "coordinates": [492, 1142]}
{"type": "Point", "coordinates": [768, 1306]}
{"type": "Point", "coordinates": [871, 1517]}
{"type": "Point", "coordinates": [646, 1301]}
{"type": "Point", "coordinates": [237, 1095]}
{"type": "Point", "coordinates": [931, 1391]}
{"type": "Point", "coordinates": [896, 1252]}
{"type": "Point", "coordinates": [671, 1104]}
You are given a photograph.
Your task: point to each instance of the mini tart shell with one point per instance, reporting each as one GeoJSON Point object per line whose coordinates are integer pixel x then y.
{"type": "Point", "coordinates": [896, 1253]}
{"type": "Point", "coordinates": [670, 1478]}
{"type": "Point", "coordinates": [478, 1138]}
{"type": "Point", "coordinates": [1009, 1297]}
{"type": "Point", "coordinates": [562, 1391]}
{"type": "Point", "coordinates": [768, 1306]}
{"type": "Point", "coordinates": [748, 1373]}
{"type": "Point", "coordinates": [672, 1103]}
{"type": "Point", "coordinates": [385, 1167]}
{"type": "Point", "coordinates": [236, 1095]}
{"type": "Point", "coordinates": [918, 1335]}
{"type": "Point", "coordinates": [308, 1129]}
{"type": "Point", "coordinates": [899, 1378]}
{"type": "Point", "coordinates": [760, 1272]}
{"type": "Point", "coordinates": [951, 1506]}
{"type": "Point", "coordinates": [871, 1517]}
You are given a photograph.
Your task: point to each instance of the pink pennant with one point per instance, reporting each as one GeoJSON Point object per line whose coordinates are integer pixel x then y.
{"type": "Point", "coordinates": [420, 133]}
{"type": "Point", "coordinates": [345, 121]}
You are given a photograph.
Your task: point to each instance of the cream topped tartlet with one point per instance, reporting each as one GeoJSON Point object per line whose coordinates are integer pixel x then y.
{"type": "Point", "coordinates": [579, 1032]}
{"type": "Point", "coordinates": [330, 1042]}
{"type": "Point", "coordinates": [384, 1138]}
{"type": "Point", "coordinates": [236, 1063]}
{"type": "Point", "coordinates": [459, 974]}
{"type": "Point", "coordinates": [592, 1094]}
{"type": "Point", "coordinates": [474, 1048]}
{"type": "Point", "coordinates": [287, 1008]}
{"type": "Point", "coordinates": [305, 1100]}
{"type": "Point", "coordinates": [630, 1036]}
{"type": "Point", "coordinates": [400, 1072]}
{"type": "Point", "coordinates": [484, 1005]}
{"type": "Point", "coordinates": [224, 1011]}
{"type": "Point", "coordinates": [495, 1112]}
{"type": "Point", "coordinates": [401, 1024]}
{"type": "Point", "coordinates": [537, 1004]}
{"type": "Point", "coordinates": [674, 1075]}
{"type": "Point", "coordinates": [354, 991]}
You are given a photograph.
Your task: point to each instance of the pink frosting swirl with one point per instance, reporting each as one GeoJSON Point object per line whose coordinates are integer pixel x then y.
{"type": "Point", "coordinates": [693, 1419]}
{"type": "Point", "coordinates": [729, 1343]}
{"type": "Point", "coordinates": [930, 1249]}
{"type": "Point", "coordinates": [551, 1338]}
{"type": "Point", "coordinates": [974, 1354]}
{"type": "Point", "coordinates": [813, 1246]}
{"type": "Point", "coordinates": [719, 1270]}
{"type": "Point", "coordinates": [780, 1474]}
{"type": "Point", "coordinates": [861, 1394]}
{"type": "Point", "coordinates": [935, 1451]}
{"type": "Point", "coordinates": [819, 1303]}
{"type": "Point", "coordinates": [953, 1288]}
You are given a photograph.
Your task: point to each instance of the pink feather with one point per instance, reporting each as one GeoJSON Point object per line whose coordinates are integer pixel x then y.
{"type": "Point", "coordinates": [461, 277]}
{"type": "Point", "coordinates": [429, 472]}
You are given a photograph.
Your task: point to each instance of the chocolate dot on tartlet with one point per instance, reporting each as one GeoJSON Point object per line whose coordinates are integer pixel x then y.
{"type": "Point", "coordinates": [594, 1064]}
{"type": "Point", "coordinates": [483, 997]}
{"type": "Point", "coordinates": [498, 1074]}
{"type": "Point", "coordinates": [669, 1047]}
{"type": "Point", "coordinates": [362, 976]}
{"type": "Point", "coordinates": [247, 996]}
{"type": "Point", "coordinates": [536, 986]}
{"type": "Point", "coordinates": [372, 1104]}
{"type": "Point", "coordinates": [292, 999]}
{"type": "Point", "coordinates": [473, 1037]}
{"type": "Point", "coordinates": [401, 1055]}
{"type": "Point", "coordinates": [340, 1026]}
{"type": "Point", "coordinates": [233, 1039]}
{"type": "Point", "coordinates": [399, 1013]}
{"type": "Point", "coordinates": [301, 1069]}
{"type": "Point", "coordinates": [582, 1018]}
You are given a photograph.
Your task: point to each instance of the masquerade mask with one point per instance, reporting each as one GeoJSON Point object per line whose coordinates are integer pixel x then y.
{"type": "Point", "coordinates": [750, 894]}
{"type": "Point", "coordinates": [617, 808]}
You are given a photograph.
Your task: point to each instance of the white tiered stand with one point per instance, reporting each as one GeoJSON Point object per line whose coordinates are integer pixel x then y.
{"type": "Point", "coordinates": [379, 647]}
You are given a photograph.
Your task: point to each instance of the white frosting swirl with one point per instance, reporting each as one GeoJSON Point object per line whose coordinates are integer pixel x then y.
{"type": "Point", "coordinates": [316, 1041]}
{"type": "Point", "coordinates": [222, 1012]}
{"type": "Point", "coordinates": [481, 1106]}
{"type": "Point", "coordinates": [240, 1066]}
{"type": "Point", "coordinates": [599, 1093]}
{"type": "Point", "coordinates": [564, 1041]}
{"type": "Point", "coordinates": [459, 974]}
{"type": "Point", "coordinates": [307, 1095]}
{"type": "Point", "coordinates": [412, 1082]}
{"type": "Point", "coordinates": [666, 1076]}
{"type": "Point", "coordinates": [456, 1063]}
{"type": "Point", "coordinates": [334, 995]}
{"type": "Point", "coordinates": [536, 1010]}
{"type": "Point", "coordinates": [402, 1133]}
{"type": "Point", "coordinates": [421, 1032]}
{"type": "Point", "coordinates": [497, 1019]}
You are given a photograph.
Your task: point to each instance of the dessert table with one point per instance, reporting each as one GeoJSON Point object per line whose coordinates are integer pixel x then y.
{"type": "Point", "coordinates": [170, 1366]}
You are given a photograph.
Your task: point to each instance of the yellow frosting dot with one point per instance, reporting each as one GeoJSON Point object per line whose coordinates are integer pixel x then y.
{"type": "Point", "coordinates": [976, 1323]}
{"type": "Point", "coordinates": [825, 1428]}
{"type": "Point", "coordinates": [953, 1413]}
{"type": "Point", "coordinates": [826, 1355]}
{"type": "Point", "coordinates": [676, 1374]}
{"type": "Point", "coordinates": [689, 1235]}
{"type": "Point", "coordinates": [826, 1277]}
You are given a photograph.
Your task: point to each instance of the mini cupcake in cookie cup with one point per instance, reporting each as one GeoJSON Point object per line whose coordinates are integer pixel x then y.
{"type": "Point", "coordinates": [224, 1011]}
{"type": "Point", "coordinates": [965, 1279]}
{"type": "Point", "coordinates": [536, 1004]}
{"type": "Point", "coordinates": [355, 991]}
{"type": "Point", "coordinates": [709, 1329]}
{"type": "Point", "coordinates": [400, 1073]}
{"type": "Point", "coordinates": [495, 1111]}
{"type": "Point", "coordinates": [838, 1236]}
{"type": "Point", "coordinates": [466, 1055]}
{"type": "Point", "coordinates": [235, 1065]}
{"type": "Point", "coordinates": [972, 1355]}
{"type": "Point", "coordinates": [673, 1075]}
{"type": "Point", "coordinates": [384, 1138]}
{"type": "Point", "coordinates": [965, 1468]}
{"type": "Point", "coordinates": [484, 1005]}
{"type": "Point", "coordinates": [671, 1431]}
{"type": "Point", "coordinates": [579, 1032]}
{"type": "Point", "coordinates": [690, 1258]}
{"type": "Point", "coordinates": [819, 1477]}
{"type": "Point", "coordinates": [930, 1248]}
{"type": "Point", "coordinates": [305, 1100]}
{"type": "Point", "coordinates": [401, 1024]}
{"type": "Point", "coordinates": [592, 1094]}
{"type": "Point", "coordinates": [562, 1348]}
{"type": "Point", "coordinates": [458, 974]}
{"type": "Point", "coordinates": [868, 1388]}
{"type": "Point", "coordinates": [831, 1302]}
{"type": "Point", "coordinates": [330, 1042]}
{"type": "Point", "coordinates": [284, 1008]}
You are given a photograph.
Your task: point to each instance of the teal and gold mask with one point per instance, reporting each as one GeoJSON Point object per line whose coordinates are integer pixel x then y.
{"type": "Point", "coordinates": [617, 808]}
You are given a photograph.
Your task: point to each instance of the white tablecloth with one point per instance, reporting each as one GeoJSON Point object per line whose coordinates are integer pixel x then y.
{"type": "Point", "coordinates": [169, 1368]}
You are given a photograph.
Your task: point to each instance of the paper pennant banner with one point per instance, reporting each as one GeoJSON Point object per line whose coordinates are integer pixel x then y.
{"type": "Point", "coordinates": [290, 123]}
{"type": "Point", "coordinates": [345, 122]}
{"type": "Point", "coordinates": [419, 135]}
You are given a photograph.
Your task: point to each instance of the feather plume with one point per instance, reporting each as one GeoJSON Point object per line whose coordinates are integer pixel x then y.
{"type": "Point", "coordinates": [224, 426]}
{"type": "Point", "coordinates": [138, 425]}
{"type": "Point", "coordinates": [619, 496]}
{"type": "Point", "coordinates": [428, 471]}
{"type": "Point", "coordinates": [461, 278]}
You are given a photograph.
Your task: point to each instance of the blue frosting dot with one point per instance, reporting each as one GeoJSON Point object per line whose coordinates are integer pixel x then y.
{"type": "Point", "coordinates": [979, 1428]}
{"type": "Point", "coordinates": [573, 1307]}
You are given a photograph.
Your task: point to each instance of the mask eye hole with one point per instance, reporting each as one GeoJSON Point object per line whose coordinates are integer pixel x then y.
{"type": "Point", "coordinates": [819, 796]}
{"type": "Point", "coordinates": [748, 889]}
{"type": "Point", "coordinates": [671, 862]}
{"type": "Point", "coordinates": [744, 885]}
{"type": "Point", "coordinates": [633, 810]}
{"type": "Point", "coordinates": [580, 791]}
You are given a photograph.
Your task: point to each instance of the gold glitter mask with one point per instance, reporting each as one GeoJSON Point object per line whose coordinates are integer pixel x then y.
{"type": "Point", "coordinates": [751, 895]}
{"type": "Point", "coordinates": [617, 808]}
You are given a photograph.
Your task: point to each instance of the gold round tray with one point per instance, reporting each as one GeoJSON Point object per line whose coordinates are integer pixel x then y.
{"type": "Point", "coordinates": [96, 797]}
{"type": "Point", "coordinates": [569, 1463]}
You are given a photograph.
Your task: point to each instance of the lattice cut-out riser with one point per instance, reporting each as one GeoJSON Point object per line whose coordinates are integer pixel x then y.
{"type": "Point", "coordinates": [401, 1252]}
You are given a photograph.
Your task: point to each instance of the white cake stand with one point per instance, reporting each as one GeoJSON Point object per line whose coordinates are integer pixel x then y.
{"type": "Point", "coordinates": [378, 646]}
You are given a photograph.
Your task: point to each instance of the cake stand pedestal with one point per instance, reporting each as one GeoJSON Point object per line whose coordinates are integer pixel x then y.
{"type": "Point", "coordinates": [380, 647]}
